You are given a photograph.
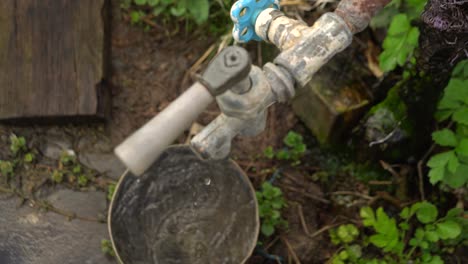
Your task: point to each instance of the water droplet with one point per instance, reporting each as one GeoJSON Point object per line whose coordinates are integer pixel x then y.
{"type": "Point", "coordinates": [207, 181]}
{"type": "Point", "coordinates": [138, 181]}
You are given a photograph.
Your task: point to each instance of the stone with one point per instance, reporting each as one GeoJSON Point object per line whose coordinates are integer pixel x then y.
{"type": "Point", "coordinates": [53, 147]}
{"type": "Point", "coordinates": [106, 163]}
{"type": "Point", "coordinates": [31, 237]}
{"type": "Point", "coordinates": [85, 204]}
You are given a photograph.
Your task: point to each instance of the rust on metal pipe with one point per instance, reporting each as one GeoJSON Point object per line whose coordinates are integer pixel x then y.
{"type": "Point", "coordinates": [358, 13]}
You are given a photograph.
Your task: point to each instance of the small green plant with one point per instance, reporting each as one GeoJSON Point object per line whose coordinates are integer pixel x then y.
{"type": "Point", "coordinates": [6, 168]}
{"type": "Point", "coordinates": [29, 157]}
{"type": "Point", "coordinates": [110, 191]}
{"type": "Point", "coordinates": [17, 144]}
{"type": "Point", "coordinates": [402, 38]}
{"type": "Point", "coordinates": [198, 11]}
{"type": "Point", "coordinates": [399, 44]}
{"type": "Point", "coordinates": [293, 151]}
{"type": "Point", "coordinates": [451, 167]}
{"type": "Point", "coordinates": [83, 180]}
{"type": "Point", "coordinates": [21, 155]}
{"type": "Point", "coordinates": [419, 237]}
{"type": "Point", "coordinates": [57, 176]}
{"type": "Point", "coordinates": [270, 202]}
{"type": "Point", "coordinates": [69, 169]}
{"type": "Point", "coordinates": [106, 247]}
{"type": "Point", "coordinates": [67, 158]}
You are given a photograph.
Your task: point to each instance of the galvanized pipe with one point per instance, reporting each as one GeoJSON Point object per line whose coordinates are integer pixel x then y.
{"type": "Point", "coordinates": [306, 49]}
{"type": "Point", "coordinates": [358, 13]}
{"type": "Point", "coordinates": [275, 27]}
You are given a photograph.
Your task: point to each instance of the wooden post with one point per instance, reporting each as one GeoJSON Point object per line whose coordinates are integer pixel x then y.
{"type": "Point", "coordinates": [52, 59]}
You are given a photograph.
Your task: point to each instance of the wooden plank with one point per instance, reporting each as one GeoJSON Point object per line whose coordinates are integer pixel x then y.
{"type": "Point", "coordinates": [52, 58]}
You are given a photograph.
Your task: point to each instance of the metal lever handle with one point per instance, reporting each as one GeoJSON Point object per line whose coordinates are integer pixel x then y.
{"type": "Point", "coordinates": [230, 67]}
{"type": "Point", "coordinates": [142, 148]}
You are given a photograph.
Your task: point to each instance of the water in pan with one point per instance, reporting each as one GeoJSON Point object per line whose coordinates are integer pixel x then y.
{"type": "Point", "coordinates": [184, 210]}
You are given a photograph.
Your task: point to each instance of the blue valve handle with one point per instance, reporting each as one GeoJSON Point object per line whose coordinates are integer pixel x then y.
{"type": "Point", "coordinates": [244, 14]}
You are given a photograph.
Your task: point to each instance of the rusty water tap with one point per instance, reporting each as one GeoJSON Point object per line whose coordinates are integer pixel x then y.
{"type": "Point", "coordinates": [243, 91]}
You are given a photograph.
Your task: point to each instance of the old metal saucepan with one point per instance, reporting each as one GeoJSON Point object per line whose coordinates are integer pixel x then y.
{"type": "Point", "coordinates": [184, 210]}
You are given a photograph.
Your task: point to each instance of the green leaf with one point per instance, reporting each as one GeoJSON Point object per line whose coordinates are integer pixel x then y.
{"type": "Point", "coordinates": [343, 255]}
{"type": "Point", "coordinates": [462, 148]}
{"type": "Point", "coordinates": [136, 16]}
{"type": "Point", "coordinates": [355, 251]}
{"type": "Point", "coordinates": [6, 167]}
{"type": "Point", "coordinates": [448, 229]}
{"type": "Point", "coordinates": [29, 157]}
{"type": "Point", "coordinates": [269, 153]}
{"type": "Point", "coordinates": [267, 230]}
{"type": "Point", "coordinates": [445, 138]}
{"type": "Point", "coordinates": [455, 94]}
{"type": "Point", "coordinates": [293, 139]}
{"type": "Point", "coordinates": [415, 8]}
{"type": "Point", "coordinates": [140, 2]}
{"type": "Point", "coordinates": [461, 115]}
{"type": "Point", "coordinates": [347, 233]}
{"type": "Point", "coordinates": [432, 236]}
{"type": "Point", "coordinates": [454, 212]}
{"type": "Point", "coordinates": [436, 260]}
{"type": "Point", "coordinates": [427, 213]}
{"type": "Point", "coordinates": [441, 159]}
{"type": "Point", "coordinates": [457, 179]}
{"type": "Point", "coordinates": [178, 11]}
{"type": "Point", "coordinates": [461, 70]}
{"type": "Point", "coordinates": [453, 164]}
{"type": "Point", "coordinates": [153, 2]}
{"type": "Point", "coordinates": [405, 213]}
{"type": "Point", "coordinates": [436, 175]}
{"type": "Point", "coordinates": [283, 155]}
{"type": "Point", "coordinates": [404, 226]}
{"type": "Point", "coordinates": [158, 10]}
{"type": "Point", "coordinates": [379, 240]}
{"type": "Point", "coordinates": [399, 44]}
{"type": "Point", "coordinates": [199, 9]}
{"type": "Point", "coordinates": [442, 115]}
{"type": "Point", "coordinates": [110, 191]}
{"type": "Point", "coordinates": [368, 216]}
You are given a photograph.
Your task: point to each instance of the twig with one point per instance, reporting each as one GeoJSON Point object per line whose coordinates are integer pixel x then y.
{"type": "Point", "coordinates": [324, 229]}
{"type": "Point", "coordinates": [387, 197]}
{"type": "Point", "coordinates": [287, 175]}
{"type": "Point", "coordinates": [291, 250]}
{"type": "Point", "coordinates": [271, 243]}
{"type": "Point", "coordinates": [303, 222]}
{"type": "Point", "coordinates": [420, 169]}
{"type": "Point", "coordinates": [390, 169]}
{"type": "Point", "coordinates": [381, 183]}
{"type": "Point", "coordinates": [367, 197]}
{"type": "Point", "coordinates": [70, 215]}
{"type": "Point", "coordinates": [421, 164]}
{"type": "Point", "coordinates": [308, 195]}
{"type": "Point", "coordinates": [421, 180]}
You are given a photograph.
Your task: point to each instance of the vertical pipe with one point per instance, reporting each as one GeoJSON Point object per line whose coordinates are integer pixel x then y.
{"type": "Point", "coordinates": [358, 13]}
